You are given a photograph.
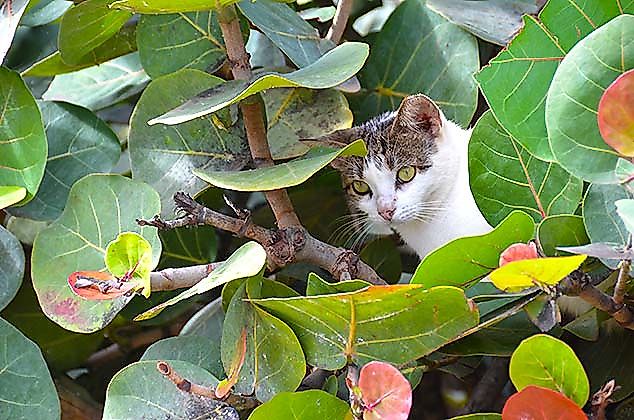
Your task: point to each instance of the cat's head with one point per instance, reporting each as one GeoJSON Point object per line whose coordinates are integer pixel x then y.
{"type": "Point", "coordinates": [401, 179]}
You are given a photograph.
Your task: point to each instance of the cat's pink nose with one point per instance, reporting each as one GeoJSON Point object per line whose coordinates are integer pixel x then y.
{"type": "Point", "coordinates": [387, 212]}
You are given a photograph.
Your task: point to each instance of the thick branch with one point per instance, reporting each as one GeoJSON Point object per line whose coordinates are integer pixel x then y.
{"type": "Point", "coordinates": [178, 278]}
{"type": "Point", "coordinates": [253, 115]}
{"type": "Point", "coordinates": [340, 20]}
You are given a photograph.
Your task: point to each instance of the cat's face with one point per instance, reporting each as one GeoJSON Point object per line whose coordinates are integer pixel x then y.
{"type": "Point", "coordinates": [395, 184]}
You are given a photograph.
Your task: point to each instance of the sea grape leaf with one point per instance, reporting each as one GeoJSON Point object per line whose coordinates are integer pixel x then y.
{"type": "Point", "coordinates": [537, 403]}
{"type": "Point", "coordinates": [297, 38]}
{"type": "Point", "coordinates": [99, 208]}
{"type": "Point", "coordinates": [26, 388]}
{"type": "Point", "coordinates": [515, 83]}
{"type": "Point", "coordinates": [625, 209]}
{"type": "Point", "coordinates": [295, 114]}
{"type": "Point", "coordinates": [79, 143]}
{"type": "Point", "coordinates": [546, 361]}
{"type": "Point", "coordinates": [207, 322]}
{"type": "Point", "coordinates": [318, 286]}
{"type": "Point", "coordinates": [140, 388]}
{"type": "Point", "coordinates": [185, 247]}
{"type": "Point", "coordinates": [333, 68]}
{"type": "Point", "coordinates": [197, 350]}
{"type": "Point", "coordinates": [100, 86]}
{"type": "Point", "coordinates": [562, 230]}
{"type": "Point", "coordinates": [616, 114]}
{"type": "Point", "coordinates": [164, 156]}
{"type": "Point", "coordinates": [585, 326]}
{"type": "Point", "coordinates": [504, 176]}
{"type": "Point", "coordinates": [10, 14]}
{"type": "Point", "coordinates": [166, 6]}
{"type": "Point", "coordinates": [122, 43]}
{"type": "Point", "coordinates": [496, 21]}
{"type": "Point", "coordinates": [12, 263]}
{"type": "Point", "coordinates": [314, 404]}
{"type": "Point", "coordinates": [10, 195]}
{"type": "Point", "coordinates": [185, 40]}
{"type": "Point", "coordinates": [601, 250]}
{"type": "Point", "coordinates": [87, 25]}
{"type": "Point", "coordinates": [284, 175]}
{"type": "Point", "coordinates": [321, 14]}
{"type": "Point", "coordinates": [414, 38]}
{"type": "Point", "coordinates": [411, 322]}
{"type": "Point", "coordinates": [128, 253]}
{"type": "Point", "coordinates": [573, 99]}
{"type": "Point", "coordinates": [23, 144]}
{"type": "Point", "coordinates": [274, 361]}
{"type": "Point", "coordinates": [263, 53]}
{"type": "Point", "coordinates": [246, 261]}
{"type": "Point", "coordinates": [465, 260]}
{"type": "Point", "coordinates": [44, 11]}
{"type": "Point", "coordinates": [523, 274]}
{"type": "Point", "coordinates": [384, 391]}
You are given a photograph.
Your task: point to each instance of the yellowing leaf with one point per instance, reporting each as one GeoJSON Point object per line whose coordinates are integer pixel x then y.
{"type": "Point", "coordinates": [523, 274]}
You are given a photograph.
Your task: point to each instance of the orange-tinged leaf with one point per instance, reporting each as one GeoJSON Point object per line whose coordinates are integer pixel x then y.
{"type": "Point", "coordinates": [537, 403]}
{"type": "Point", "coordinates": [519, 275]}
{"type": "Point", "coordinates": [518, 252]}
{"type": "Point", "coordinates": [616, 114]}
{"type": "Point", "coordinates": [98, 285]}
{"type": "Point", "coordinates": [225, 385]}
{"type": "Point", "coordinates": [386, 393]}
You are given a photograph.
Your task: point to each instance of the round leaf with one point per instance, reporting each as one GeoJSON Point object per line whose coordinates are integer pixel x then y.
{"type": "Point", "coordinates": [164, 156]}
{"type": "Point", "coordinates": [386, 393]}
{"type": "Point", "coordinates": [504, 176]}
{"type": "Point", "coordinates": [518, 252]}
{"type": "Point", "coordinates": [207, 322]}
{"type": "Point", "coordinates": [573, 100]}
{"type": "Point", "coordinates": [185, 247]}
{"type": "Point", "coordinates": [625, 209]}
{"type": "Point", "coordinates": [409, 42]}
{"type": "Point", "coordinates": [548, 362]}
{"type": "Point", "coordinates": [307, 405]}
{"type": "Point", "coordinates": [99, 208]}
{"type": "Point", "coordinates": [561, 231]}
{"type": "Point", "coordinates": [616, 114]}
{"type": "Point", "coordinates": [26, 388]}
{"type": "Point", "coordinates": [12, 263]}
{"type": "Point", "coordinates": [520, 275]}
{"type": "Point", "coordinates": [79, 143]}
{"type": "Point", "coordinates": [131, 253]}
{"type": "Point", "coordinates": [197, 350]}
{"type": "Point", "coordinates": [538, 403]}
{"type": "Point", "coordinates": [23, 144]}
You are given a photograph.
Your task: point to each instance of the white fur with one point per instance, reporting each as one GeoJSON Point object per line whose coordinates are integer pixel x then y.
{"type": "Point", "coordinates": [437, 205]}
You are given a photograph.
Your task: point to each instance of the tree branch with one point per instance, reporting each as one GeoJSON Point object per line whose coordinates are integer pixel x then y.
{"type": "Point", "coordinates": [178, 278]}
{"type": "Point", "coordinates": [340, 20]}
{"type": "Point", "coordinates": [624, 274]}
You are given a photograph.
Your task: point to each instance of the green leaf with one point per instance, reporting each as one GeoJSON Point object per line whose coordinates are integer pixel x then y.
{"type": "Point", "coordinates": [246, 261]}
{"type": "Point", "coordinates": [561, 230]}
{"type": "Point", "coordinates": [310, 405]}
{"type": "Point", "coordinates": [465, 260]}
{"type": "Point", "coordinates": [164, 156]}
{"type": "Point", "coordinates": [281, 24]}
{"type": "Point", "coordinates": [585, 326]}
{"type": "Point", "coordinates": [274, 360]}
{"type": "Point", "coordinates": [515, 82]}
{"type": "Point", "coordinates": [22, 139]}
{"type": "Point", "coordinates": [573, 100]}
{"type": "Point", "coordinates": [183, 246]}
{"type": "Point", "coordinates": [207, 322]}
{"type": "Point", "coordinates": [410, 323]}
{"type": "Point", "coordinates": [42, 12]}
{"type": "Point", "coordinates": [409, 42]}
{"type": "Point", "coordinates": [197, 350]}
{"type": "Point", "coordinates": [295, 114]}
{"type": "Point", "coordinates": [600, 217]}
{"type": "Point", "coordinates": [86, 26]}
{"type": "Point", "coordinates": [79, 143]}
{"type": "Point", "coordinates": [10, 14]}
{"type": "Point", "coordinates": [495, 21]}
{"type": "Point", "coordinates": [99, 208]}
{"type": "Point", "coordinates": [332, 69]}
{"type": "Point", "coordinates": [545, 361]}
{"type": "Point", "coordinates": [167, 6]}
{"type": "Point", "coordinates": [625, 209]}
{"type": "Point", "coordinates": [318, 286]}
{"type": "Point", "coordinates": [504, 177]}
{"type": "Point", "coordinates": [171, 42]}
{"type": "Point", "coordinates": [10, 195]}
{"type": "Point", "coordinates": [122, 43]}
{"type": "Point", "coordinates": [140, 388]}
{"type": "Point", "coordinates": [99, 86]}
{"type": "Point", "coordinates": [131, 252]}
{"type": "Point", "coordinates": [523, 274]}
{"type": "Point", "coordinates": [26, 388]}
{"type": "Point", "coordinates": [12, 263]}
{"type": "Point", "coordinates": [382, 255]}
{"type": "Point", "coordinates": [283, 175]}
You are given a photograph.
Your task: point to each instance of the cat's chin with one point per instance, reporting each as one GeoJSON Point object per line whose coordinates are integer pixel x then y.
{"type": "Point", "coordinates": [380, 228]}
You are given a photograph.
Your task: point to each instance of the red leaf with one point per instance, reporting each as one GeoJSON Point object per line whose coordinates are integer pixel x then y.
{"type": "Point", "coordinates": [516, 252]}
{"type": "Point", "coordinates": [98, 285]}
{"type": "Point", "coordinates": [537, 403]}
{"type": "Point", "coordinates": [224, 386]}
{"type": "Point", "coordinates": [386, 393]}
{"type": "Point", "coordinates": [616, 114]}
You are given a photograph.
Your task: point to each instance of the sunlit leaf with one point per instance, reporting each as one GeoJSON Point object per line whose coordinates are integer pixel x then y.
{"type": "Point", "coordinates": [10, 195]}
{"type": "Point", "coordinates": [318, 286]}
{"type": "Point", "coordinates": [519, 275]}
{"type": "Point", "coordinates": [625, 209]}
{"type": "Point", "coordinates": [310, 405]}
{"type": "Point", "coordinates": [131, 254]}
{"type": "Point", "coordinates": [537, 403]}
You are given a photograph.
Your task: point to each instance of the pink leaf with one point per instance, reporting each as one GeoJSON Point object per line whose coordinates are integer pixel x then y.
{"type": "Point", "coordinates": [517, 252]}
{"type": "Point", "coordinates": [537, 403]}
{"type": "Point", "coordinates": [386, 393]}
{"type": "Point", "coordinates": [616, 114]}
{"type": "Point", "coordinates": [97, 285]}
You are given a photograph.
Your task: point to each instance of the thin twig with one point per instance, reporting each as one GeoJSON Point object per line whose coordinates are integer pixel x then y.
{"type": "Point", "coordinates": [340, 20]}
{"type": "Point", "coordinates": [624, 275]}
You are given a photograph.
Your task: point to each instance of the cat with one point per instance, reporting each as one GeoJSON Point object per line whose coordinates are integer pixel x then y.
{"type": "Point", "coordinates": [414, 180]}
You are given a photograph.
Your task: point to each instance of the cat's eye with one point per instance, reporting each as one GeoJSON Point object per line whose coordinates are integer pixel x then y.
{"type": "Point", "coordinates": [406, 173]}
{"type": "Point", "coordinates": [360, 187]}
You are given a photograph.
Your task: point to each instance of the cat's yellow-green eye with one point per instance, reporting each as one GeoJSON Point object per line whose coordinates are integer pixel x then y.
{"type": "Point", "coordinates": [406, 173]}
{"type": "Point", "coordinates": [360, 187]}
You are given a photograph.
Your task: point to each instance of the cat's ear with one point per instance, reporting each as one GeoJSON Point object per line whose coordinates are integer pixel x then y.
{"type": "Point", "coordinates": [418, 113]}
